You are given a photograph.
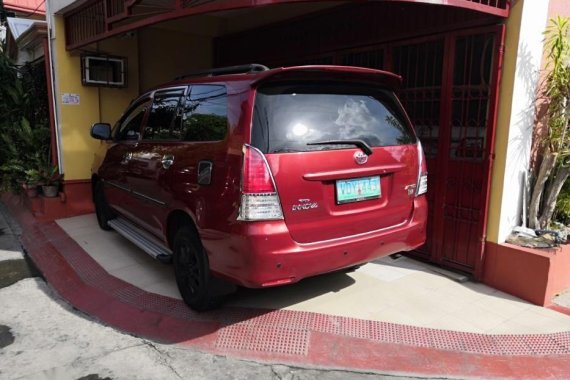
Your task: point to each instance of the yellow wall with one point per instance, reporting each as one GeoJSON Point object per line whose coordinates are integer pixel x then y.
{"type": "Point", "coordinates": [154, 56]}
{"type": "Point", "coordinates": [503, 121]}
{"type": "Point", "coordinates": [165, 54]}
{"type": "Point", "coordinates": [96, 104]}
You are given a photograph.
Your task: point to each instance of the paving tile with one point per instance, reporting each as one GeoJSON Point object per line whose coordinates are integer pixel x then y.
{"type": "Point", "coordinates": [563, 299]}
{"type": "Point", "coordinates": [424, 280]}
{"type": "Point", "coordinates": [506, 307]}
{"type": "Point", "coordinates": [480, 288]}
{"type": "Point", "coordinates": [394, 315]}
{"type": "Point", "coordinates": [479, 317]}
{"type": "Point", "coordinates": [164, 288]}
{"type": "Point", "coordinates": [401, 291]}
{"type": "Point", "coordinates": [383, 273]}
{"type": "Point", "coordinates": [453, 323]}
{"type": "Point", "coordinates": [456, 290]}
{"type": "Point", "coordinates": [522, 326]}
{"type": "Point", "coordinates": [140, 276]}
{"type": "Point", "coordinates": [78, 222]}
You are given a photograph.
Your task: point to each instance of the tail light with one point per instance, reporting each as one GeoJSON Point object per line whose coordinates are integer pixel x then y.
{"type": "Point", "coordinates": [422, 184]}
{"type": "Point", "coordinates": [259, 198]}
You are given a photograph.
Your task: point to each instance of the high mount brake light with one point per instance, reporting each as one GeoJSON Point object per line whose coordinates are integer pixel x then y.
{"type": "Point", "coordinates": [259, 198]}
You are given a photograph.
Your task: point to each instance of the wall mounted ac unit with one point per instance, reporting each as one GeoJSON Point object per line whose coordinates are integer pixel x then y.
{"type": "Point", "coordinates": [103, 71]}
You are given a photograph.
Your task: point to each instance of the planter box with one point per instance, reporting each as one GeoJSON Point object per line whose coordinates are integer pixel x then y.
{"type": "Point", "coordinates": [535, 275]}
{"type": "Point", "coordinates": [75, 200]}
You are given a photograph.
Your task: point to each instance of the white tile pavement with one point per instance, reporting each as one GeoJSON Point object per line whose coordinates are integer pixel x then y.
{"type": "Point", "coordinates": [399, 291]}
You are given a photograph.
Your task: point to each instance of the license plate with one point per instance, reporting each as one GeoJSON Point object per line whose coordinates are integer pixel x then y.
{"type": "Point", "coordinates": [357, 189]}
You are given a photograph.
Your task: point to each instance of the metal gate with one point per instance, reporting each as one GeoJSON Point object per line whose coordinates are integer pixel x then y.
{"type": "Point", "coordinates": [450, 91]}
{"type": "Point", "coordinates": [450, 88]}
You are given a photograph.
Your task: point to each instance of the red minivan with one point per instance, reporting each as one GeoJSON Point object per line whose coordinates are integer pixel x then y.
{"type": "Point", "coordinates": [262, 177]}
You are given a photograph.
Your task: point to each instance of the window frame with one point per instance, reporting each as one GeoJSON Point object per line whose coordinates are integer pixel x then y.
{"type": "Point", "coordinates": [134, 105]}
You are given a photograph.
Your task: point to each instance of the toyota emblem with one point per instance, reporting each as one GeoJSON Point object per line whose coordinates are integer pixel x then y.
{"type": "Point", "coordinates": [360, 158]}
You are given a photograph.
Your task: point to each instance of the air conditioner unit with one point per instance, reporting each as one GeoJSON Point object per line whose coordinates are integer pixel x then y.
{"type": "Point", "coordinates": [104, 71]}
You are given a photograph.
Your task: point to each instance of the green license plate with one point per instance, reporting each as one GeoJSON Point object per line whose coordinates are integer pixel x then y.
{"type": "Point", "coordinates": [357, 189]}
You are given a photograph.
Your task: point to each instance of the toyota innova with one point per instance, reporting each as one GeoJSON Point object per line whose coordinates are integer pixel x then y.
{"type": "Point", "coordinates": [262, 177]}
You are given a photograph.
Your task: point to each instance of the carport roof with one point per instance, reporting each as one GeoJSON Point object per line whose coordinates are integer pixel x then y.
{"type": "Point", "coordinates": [92, 21]}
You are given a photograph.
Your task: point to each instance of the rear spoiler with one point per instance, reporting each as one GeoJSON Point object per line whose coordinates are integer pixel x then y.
{"type": "Point", "coordinates": [322, 72]}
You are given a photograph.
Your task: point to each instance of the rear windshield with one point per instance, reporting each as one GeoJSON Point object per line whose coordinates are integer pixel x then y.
{"type": "Point", "coordinates": [287, 117]}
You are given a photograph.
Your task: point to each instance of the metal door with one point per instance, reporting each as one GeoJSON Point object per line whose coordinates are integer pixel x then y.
{"type": "Point", "coordinates": [450, 91]}
{"type": "Point", "coordinates": [421, 64]}
{"type": "Point", "coordinates": [467, 149]}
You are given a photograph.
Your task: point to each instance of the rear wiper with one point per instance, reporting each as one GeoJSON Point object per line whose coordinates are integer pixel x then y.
{"type": "Point", "coordinates": [359, 143]}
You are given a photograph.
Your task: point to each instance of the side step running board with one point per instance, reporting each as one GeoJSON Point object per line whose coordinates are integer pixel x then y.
{"type": "Point", "coordinates": [141, 239]}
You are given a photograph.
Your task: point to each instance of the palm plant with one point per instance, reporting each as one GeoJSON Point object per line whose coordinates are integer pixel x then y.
{"type": "Point", "coordinates": [555, 166]}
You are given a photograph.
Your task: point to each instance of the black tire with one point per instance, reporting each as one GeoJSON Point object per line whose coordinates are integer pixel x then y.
{"type": "Point", "coordinates": [102, 208]}
{"type": "Point", "coordinates": [192, 271]}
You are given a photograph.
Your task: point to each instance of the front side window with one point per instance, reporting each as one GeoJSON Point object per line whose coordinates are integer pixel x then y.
{"type": "Point", "coordinates": [163, 115]}
{"type": "Point", "coordinates": [130, 123]}
{"type": "Point", "coordinates": [289, 117]}
{"type": "Point", "coordinates": [205, 114]}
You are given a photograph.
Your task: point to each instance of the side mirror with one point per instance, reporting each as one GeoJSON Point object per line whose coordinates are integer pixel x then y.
{"type": "Point", "coordinates": [101, 131]}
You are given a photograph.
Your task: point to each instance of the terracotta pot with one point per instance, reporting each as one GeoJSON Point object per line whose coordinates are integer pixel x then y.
{"type": "Point", "coordinates": [32, 192]}
{"type": "Point", "coordinates": [50, 191]}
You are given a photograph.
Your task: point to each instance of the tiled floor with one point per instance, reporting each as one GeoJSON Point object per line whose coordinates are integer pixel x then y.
{"type": "Point", "coordinates": [401, 291]}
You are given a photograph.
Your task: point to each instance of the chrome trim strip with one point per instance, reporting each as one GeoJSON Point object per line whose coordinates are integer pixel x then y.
{"type": "Point", "coordinates": [148, 198]}
{"type": "Point", "coordinates": [116, 185]}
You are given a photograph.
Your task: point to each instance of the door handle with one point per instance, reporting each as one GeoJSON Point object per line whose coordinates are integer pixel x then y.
{"type": "Point", "coordinates": [205, 172]}
{"type": "Point", "coordinates": [167, 161]}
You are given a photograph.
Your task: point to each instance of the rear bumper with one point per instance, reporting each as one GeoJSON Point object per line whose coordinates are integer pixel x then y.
{"type": "Point", "coordinates": [266, 255]}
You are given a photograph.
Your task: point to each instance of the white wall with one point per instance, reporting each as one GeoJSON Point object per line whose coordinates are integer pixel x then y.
{"type": "Point", "coordinates": [58, 5]}
{"type": "Point", "coordinates": [529, 55]}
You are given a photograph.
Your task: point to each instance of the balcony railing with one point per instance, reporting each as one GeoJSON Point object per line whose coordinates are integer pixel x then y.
{"type": "Point", "coordinates": [99, 19]}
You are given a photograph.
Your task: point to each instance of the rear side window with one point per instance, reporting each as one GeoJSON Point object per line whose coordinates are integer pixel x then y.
{"type": "Point", "coordinates": [287, 117]}
{"type": "Point", "coordinates": [205, 114]}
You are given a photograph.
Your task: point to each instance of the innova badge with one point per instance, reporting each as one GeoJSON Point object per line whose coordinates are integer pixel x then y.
{"type": "Point", "coordinates": [360, 158]}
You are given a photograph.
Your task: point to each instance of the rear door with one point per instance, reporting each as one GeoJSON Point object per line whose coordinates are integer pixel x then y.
{"type": "Point", "coordinates": [315, 135]}
{"type": "Point", "coordinates": [181, 155]}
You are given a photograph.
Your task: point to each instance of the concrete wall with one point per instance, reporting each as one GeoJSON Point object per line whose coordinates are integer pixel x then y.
{"type": "Point", "coordinates": [154, 56]}
{"type": "Point", "coordinates": [165, 54]}
{"type": "Point", "coordinates": [73, 121]}
{"type": "Point", "coordinates": [523, 53]}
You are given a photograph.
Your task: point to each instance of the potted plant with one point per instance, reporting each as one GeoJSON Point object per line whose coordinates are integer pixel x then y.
{"type": "Point", "coordinates": [31, 182]}
{"type": "Point", "coordinates": [50, 181]}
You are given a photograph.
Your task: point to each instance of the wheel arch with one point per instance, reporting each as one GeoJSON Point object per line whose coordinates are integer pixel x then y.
{"type": "Point", "coordinates": [94, 180]}
{"type": "Point", "coordinates": [176, 219]}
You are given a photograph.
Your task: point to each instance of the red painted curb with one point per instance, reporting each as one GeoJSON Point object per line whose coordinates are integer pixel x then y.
{"type": "Point", "coordinates": [560, 309]}
{"type": "Point", "coordinates": [289, 337]}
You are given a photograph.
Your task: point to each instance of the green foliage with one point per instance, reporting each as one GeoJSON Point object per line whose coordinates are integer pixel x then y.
{"type": "Point", "coordinates": [562, 213]}
{"type": "Point", "coordinates": [24, 125]}
{"type": "Point", "coordinates": [557, 86]}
